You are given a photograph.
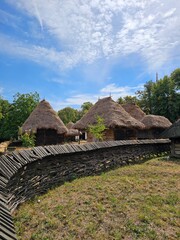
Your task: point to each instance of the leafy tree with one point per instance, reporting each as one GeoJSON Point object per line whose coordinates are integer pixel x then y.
{"type": "Point", "coordinates": [68, 114]}
{"type": "Point", "coordinates": [4, 107]}
{"type": "Point", "coordinates": [165, 99]}
{"type": "Point", "coordinates": [175, 76]}
{"type": "Point", "coordinates": [85, 107]}
{"type": "Point", "coordinates": [18, 112]}
{"type": "Point", "coordinates": [128, 99]}
{"type": "Point", "coordinates": [162, 97]}
{"type": "Point", "coordinates": [97, 130]}
{"type": "Point", "coordinates": [145, 97]}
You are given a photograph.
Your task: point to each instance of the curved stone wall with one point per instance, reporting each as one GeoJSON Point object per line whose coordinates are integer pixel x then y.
{"type": "Point", "coordinates": [28, 173]}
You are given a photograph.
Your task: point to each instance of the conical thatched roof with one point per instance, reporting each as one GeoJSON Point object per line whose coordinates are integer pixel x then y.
{"type": "Point", "coordinates": [113, 114]}
{"type": "Point", "coordinates": [173, 131]}
{"type": "Point", "coordinates": [70, 125]}
{"type": "Point", "coordinates": [71, 132]}
{"type": "Point", "coordinates": [134, 110]}
{"type": "Point", "coordinates": [155, 121]}
{"type": "Point", "coordinates": [45, 117]}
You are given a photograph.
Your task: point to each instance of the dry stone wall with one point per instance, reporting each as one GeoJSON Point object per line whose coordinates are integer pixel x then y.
{"type": "Point", "coordinates": [28, 173]}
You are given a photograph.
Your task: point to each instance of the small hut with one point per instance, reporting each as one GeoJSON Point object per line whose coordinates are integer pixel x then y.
{"type": "Point", "coordinates": [120, 125]}
{"type": "Point", "coordinates": [72, 134]}
{"type": "Point", "coordinates": [45, 124]}
{"type": "Point", "coordinates": [173, 133]}
{"type": "Point", "coordinates": [134, 110]}
{"type": "Point", "coordinates": [154, 126]}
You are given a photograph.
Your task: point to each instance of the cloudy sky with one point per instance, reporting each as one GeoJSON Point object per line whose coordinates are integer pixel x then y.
{"type": "Point", "coordinates": [73, 51]}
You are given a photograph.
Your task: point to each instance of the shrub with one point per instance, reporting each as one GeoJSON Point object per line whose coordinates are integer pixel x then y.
{"type": "Point", "coordinates": [28, 139]}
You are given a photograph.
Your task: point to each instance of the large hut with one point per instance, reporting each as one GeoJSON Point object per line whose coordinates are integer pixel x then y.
{"type": "Point", "coordinates": [173, 133]}
{"type": "Point", "coordinates": [134, 110]}
{"type": "Point", "coordinates": [154, 126]}
{"type": "Point", "coordinates": [120, 125]}
{"type": "Point", "coordinates": [45, 124]}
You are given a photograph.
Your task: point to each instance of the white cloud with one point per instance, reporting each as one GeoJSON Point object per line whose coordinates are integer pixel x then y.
{"type": "Point", "coordinates": [110, 90]}
{"type": "Point", "coordinates": [92, 29]}
{"type": "Point", "coordinates": [122, 91]}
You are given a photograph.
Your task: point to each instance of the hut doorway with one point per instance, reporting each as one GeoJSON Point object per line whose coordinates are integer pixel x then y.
{"type": "Point", "coordinates": [47, 137]}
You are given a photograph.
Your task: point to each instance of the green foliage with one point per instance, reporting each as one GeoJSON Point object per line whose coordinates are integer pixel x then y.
{"type": "Point", "coordinates": [28, 139]}
{"type": "Point", "coordinates": [68, 114]}
{"type": "Point", "coordinates": [145, 97]}
{"type": "Point", "coordinates": [17, 113]}
{"type": "Point", "coordinates": [85, 107]}
{"type": "Point", "coordinates": [175, 76]}
{"type": "Point", "coordinates": [97, 130]}
{"type": "Point", "coordinates": [4, 107]}
{"type": "Point", "coordinates": [128, 99]}
{"type": "Point", "coordinates": [162, 97]}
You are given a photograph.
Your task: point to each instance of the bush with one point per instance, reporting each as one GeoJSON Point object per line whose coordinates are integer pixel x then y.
{"type": "Point", "coordinates": [28, 140]}
{"type": "Point", "coordinates": [97, 130]}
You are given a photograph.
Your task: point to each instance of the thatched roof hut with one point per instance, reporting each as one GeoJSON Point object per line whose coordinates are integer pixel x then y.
{"type": "Point", "coordinates": [154, 126]}
{"type": "Point", "coordinates": [155, 121]}
{"type": "Point", "coordinates": [46, 124]}
{"type": "Point", "coordinates": [173, 132]}
{"type": "Point", "coordinates": [134, 110]}
{"type": "Point", "coordinates": [114, 115]}
{"type": "Point", "coordinates": [72, 133]}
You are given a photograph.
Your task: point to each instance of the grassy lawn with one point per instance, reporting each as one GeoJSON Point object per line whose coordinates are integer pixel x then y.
{"type": "Point", "coordinates": [132, 202]}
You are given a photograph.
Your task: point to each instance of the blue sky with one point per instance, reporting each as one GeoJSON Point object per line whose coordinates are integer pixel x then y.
{"type": "Point", "coordinates": [73, 51]}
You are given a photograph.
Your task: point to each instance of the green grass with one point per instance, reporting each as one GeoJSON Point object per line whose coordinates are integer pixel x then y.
{"type": "Point", "coordinates": [133, 202]}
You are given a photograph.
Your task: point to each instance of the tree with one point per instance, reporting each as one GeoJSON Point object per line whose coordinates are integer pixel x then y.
{"type": "Point", "coordinates": [128, 99]}
{"type": "Point", "coordinates": [175, 76]}
{"type": "Point", "coordinates": [145, 97]}
{"type": "Point", "coordinates": [162, 97]}
{"type": "Point", "coordinates": [4, 107]}
{"type": "Point", "coordinates": [68, 114]}
{"type": "Point", "coordinates": [97, 130]}
{"type": "Point", "coordinates": [85, 107]}
{"type": "Point", "coordinates": [165, 99]}
{"type": "Point", "coordinates": [18, 112]}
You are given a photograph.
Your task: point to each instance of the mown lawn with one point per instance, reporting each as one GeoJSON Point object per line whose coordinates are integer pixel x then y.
{"type": "Point", "coordinates": [132, 202]}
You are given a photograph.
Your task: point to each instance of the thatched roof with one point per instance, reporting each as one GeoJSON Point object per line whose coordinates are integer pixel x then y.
{"type": "Point", "coordinates": [72, 133]}
{"type": "Point", "coordinates": [134, 110]}
{"type": "Point", "coordinates": [113, 114]}
{"type": "Point", "coordinates": [43, 116]}
{"type": "Point", "coordinates": [155, 121]}
{"type": "Point", "coordinates": [173, 131]}
{"type": "Point", "coordinates": [70, 125]}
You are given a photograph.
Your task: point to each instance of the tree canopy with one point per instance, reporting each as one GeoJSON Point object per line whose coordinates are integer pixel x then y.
{"type": "Point", "coordinates": [68, 114]}
{"type": "Point", "coordinates": [162, 97]}
{"type": "Point", "coordinates": [16, 114]}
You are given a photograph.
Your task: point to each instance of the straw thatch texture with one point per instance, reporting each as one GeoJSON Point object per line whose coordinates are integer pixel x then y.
{"type": "Point", "coordinates": [44, 117]}
{"type": "Point", "coordinates": [113, 114]}
{"type": "Point", "coordinates": [70, 125]}
{"type": "Point", "coordinates": [155, 121]}
{"type": "Point", "coordinates": [134, 110]}
{"type": "Point", "coordinates": [71, 132]}
{"type": "Point", "coordinates": [173, 131]}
